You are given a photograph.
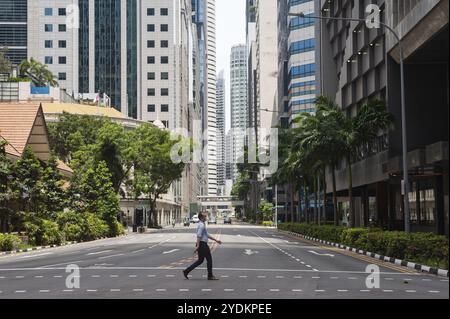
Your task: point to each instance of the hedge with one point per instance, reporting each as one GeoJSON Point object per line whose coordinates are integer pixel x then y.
{"type": "Point", "coordinates": [9, 242]}
{"type": "Point", "coordinates": [423, 248]}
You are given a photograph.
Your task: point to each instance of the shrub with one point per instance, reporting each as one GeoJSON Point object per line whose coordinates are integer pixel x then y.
{"type": "Point", "coordinates": [43, 232]}
{"type": "Point", "coordinates": [267, 223]}
{"type": "Point", "coordinates": [423, 248]}
{"type": "Point", "coordinates": [9, 242]}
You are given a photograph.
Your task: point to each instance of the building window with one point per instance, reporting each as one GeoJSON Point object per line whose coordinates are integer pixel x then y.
{"type": "Point", "coordinates": [49, 28]}
{"type": "Point", "coordinates": [164, 108]}
{"type": "Point", "coordinates": [151, 108]}
{"type": "Point", "coordinates": [150, 27]}
{"type": "Point", "coordinates": [62, 76]}
{"type": "Point", "coordinates": [151, 76]}
{"type": "Point", "coordinates": [62, 44]}
{"type": "Point", "coordinates": [164, 92]}
{"type": "Point", "coordinates": [62, 28]}
{"type": "Point", "coordinates": [151, 92]}
{"type": "Point", "coordinates": [166, 124]}
{"type": "Point", "coordinates": [151, 60]}
{"type": "Point", "coordinates": [48, 44]}
{"type": "Point", "coordinates": [150, 11]}
{"type": "Point", "coordinates": [62, 60]}
{"type": "Point", "coordinates": [164, 44]}
{"type": "Point", "coordinates": [164, 75]}
{"type": "Point", "coordinates": [164, 11]}
{"type": "Point", "coordinates": [164, 27]}
{"type": "Point", "coordinates": [150, 44]}
{"type": "Point", "coordinates": [164, 60]}
{"type": "Point", "coordinates": [48, 60]}
{"type": "Point", "coordinates": [48, 12]}
{"type": "Point", "coordinates": [62, 11]}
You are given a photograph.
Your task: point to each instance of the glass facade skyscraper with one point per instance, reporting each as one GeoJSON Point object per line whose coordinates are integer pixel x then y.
{"type": "Point", "coordinates": [13, 29]}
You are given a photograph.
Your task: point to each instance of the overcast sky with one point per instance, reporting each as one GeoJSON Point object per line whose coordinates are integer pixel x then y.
{"type": "Point", "coordinates": [230, 19]}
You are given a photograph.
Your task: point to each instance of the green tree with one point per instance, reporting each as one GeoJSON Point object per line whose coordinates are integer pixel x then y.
{"type": "Point", "coordinates": [266, 210]}
{"type": "Point", "coordinates": [359, 133]}
{"type": "Point", "coordinates": [92, 192]}
{"type": "Point", "coordinates": [6, 192]}
{"type": "Point", "coordinates": [154, 170]}
{"type": "Point", "coordinates": [27, 175]}
{"type": "Point", "coordinates": [5, 64]}
{"type": "Point", "coordinates": [39, 73]}
{"type": "Point", "coordinates": [52, 191]}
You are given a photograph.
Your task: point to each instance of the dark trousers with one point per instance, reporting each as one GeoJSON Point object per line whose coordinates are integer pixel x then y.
{"type": "Point", "coordinates": [203, 252]}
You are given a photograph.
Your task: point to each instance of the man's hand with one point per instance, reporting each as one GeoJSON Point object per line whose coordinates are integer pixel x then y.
{"type": "Point", "coordinates": [219, 242]}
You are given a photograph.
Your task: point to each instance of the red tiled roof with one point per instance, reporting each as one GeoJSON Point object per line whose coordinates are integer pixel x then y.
{"type": "Point", "coordinates": [16, 124]}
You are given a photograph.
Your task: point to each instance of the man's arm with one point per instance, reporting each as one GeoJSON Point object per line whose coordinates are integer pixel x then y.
{"type": "Point", "coordinates": [217, 241]}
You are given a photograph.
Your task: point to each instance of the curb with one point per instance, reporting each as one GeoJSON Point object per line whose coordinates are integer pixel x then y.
{"type": "Point", "coordinates": [17, 251]}
{"type": "Point", "coordinates": [399, 262]}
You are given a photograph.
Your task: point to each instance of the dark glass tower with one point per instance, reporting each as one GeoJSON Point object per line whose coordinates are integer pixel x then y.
{"type": "Point", "coordinates": [13, 29]}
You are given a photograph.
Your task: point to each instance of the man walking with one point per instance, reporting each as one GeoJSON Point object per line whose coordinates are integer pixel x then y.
{"type": "Point", "coordinates": [202, 248]}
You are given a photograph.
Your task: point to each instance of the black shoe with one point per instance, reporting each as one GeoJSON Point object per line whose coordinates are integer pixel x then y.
{"type": "Point", "coordinates": [185, 273]}
{"type": "Point", "coordinates": [213, 278]}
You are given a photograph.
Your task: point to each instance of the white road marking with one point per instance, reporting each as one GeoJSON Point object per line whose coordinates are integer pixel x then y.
{"type": "Point", "coordinates": [114, 276]}
{"type": "Point", "coordinates": [243, 276]}
{"type": "Point", "coordinates": [298, 277]}
{"type": "Point", "coordinates": [318, 254]}
{"type": "Point", "coordinates": [224, 276]}
{"type": "Point", "coordinates": [387, 290]}
{"type": "Point", "coordinates": [352, 278]}
{"type": "Point", "coordinates": [206, 289]}
{"type": "Point", "coordinates": [426, 279]}
{"type": "Point", "coordinates": [444, 280]}
{"type": "Point", "coordinates": [184, 290]}
{"type": "Point", "coordinates": [228, 290]}
{"type": "Point", "coordinates": [261, 276]}
{"type": "Point", "coordinates": [132, 276]}
{"type": "Point", "coordinates": [319, 290]}
{"type": "Point", "coordinates": [274, 290]}
{"type": "Point", "coordinates": [20, 291]}
{"type": "Point", "coordinates": [407, 279]}
{"type": "Point", "coordinates": [161, 290]}
{"type": "Point", "coordinates": [151, 276]}
{"type": "Point", "coordinates": [170, 251]}
{"type": "Point", "coordinates": [38, 276]}
{"type": "Point", "coordinates": [35, 255]}
{"type": "Point", "coordinates": [111, 256]}
{"type": "Point", "coordinates": [91, 290]}
{"type": "Point", "coordinates": [365, 290]}
{"type": "Point", "coordinates": [57, 276]}
{"type": "Point", "coordinates": [170, 276]}
{"type": "Point", "coordinates": [297, 290]}
{"type": "Point", "coordinates": [410, 291]}
{"type": "Point", "coordinates": [388, 278]}
{"type": "Point", "coordinates": [99, 252]}
{"type": "Point", "coordinates": [68, 290]}
{"type": "Point", "coordinates": [137, 251]}
{"type": "Point", "coordinates": [315, 277]}
{"type": "Point", "coordinates": [20, 277]}
{"type": "Point", "coordinates": [308, 266]}
{"type": "Point", "coordinates": [342, 290]}
{"type": "Point", "coordinates": [251, 289]}
{"type": "Point", "coordinates": [2, 277]}
{"type": "Point", "coordinates": [138, 290]}
{"type": "Point", "coordinates": [114, 290]}
{"type": "Point", "coordinates": [297, 259]}
{"type": "Point", "coordinates": [44, 291]}
{"type": "Point", "coordinates": [334, 277]}
{"type": "Point", "coordinates": [279, 277]}
{"type": "Point", "coordinates": [95, 276]}
{"type": "Point", "coordinates": [250, 252]}
{"type": "Point", "coordinates": [434, 291]}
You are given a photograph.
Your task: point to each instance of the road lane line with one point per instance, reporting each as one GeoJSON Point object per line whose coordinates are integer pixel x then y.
{"type": "Point", "coordinates": [91, 290]}
{"type": "Point", "coordinates": [99, 252]}
{"type": "Point", "coordinates": [434, 291]}
{"type": "Point", "coordinates": [44, 291]}
{"type": "Point", "coordinates": [35, 255]}
{"type": "Point", "coordinates": [228, 290]}
{"type": "Point", "coordinates": [20, 291]}
{"type": "Point", "coordinates": [138, 290]}
{"type": "Point", "coordinates": [105, 257]}
{"type": "Point", "coordinates": [20, 277]}
{"type": "Point", "coordinates": [160, 290]}
{"type": "Point", "coordinates": [297, 290]}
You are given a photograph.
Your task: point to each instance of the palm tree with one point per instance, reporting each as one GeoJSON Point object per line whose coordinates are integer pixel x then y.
{"type": "Point", "coordinates": [38, 73]}
{"type": "Point", "coordinates": [359, 132]}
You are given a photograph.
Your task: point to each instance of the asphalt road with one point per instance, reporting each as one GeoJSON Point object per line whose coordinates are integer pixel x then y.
{"type": "Point", "coordinates": [252, 263]}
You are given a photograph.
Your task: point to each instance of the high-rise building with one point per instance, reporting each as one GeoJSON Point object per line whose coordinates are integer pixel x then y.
{"type": "Point", "coordinates": [205, 19]}
{"type": "Point", "coordinates": [266, 69]}
{"type": "Point", "coordinates": [220, 93]}
{"type": "Point", "coordinates": [239, 107]}
{"type": "Point", "coordinates": [13, 29]}
{"type": "Point", "coordinates": [360, 63]}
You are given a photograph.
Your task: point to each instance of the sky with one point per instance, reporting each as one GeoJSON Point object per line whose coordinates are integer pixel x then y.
{"type": "Point", "coordinates": [230, 28]}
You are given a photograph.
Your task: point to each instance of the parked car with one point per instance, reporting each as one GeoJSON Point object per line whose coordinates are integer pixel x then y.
{"type": "Point", "coordinates": [195, 219]}
{"type": "Point", "coordinates": [227, 220]}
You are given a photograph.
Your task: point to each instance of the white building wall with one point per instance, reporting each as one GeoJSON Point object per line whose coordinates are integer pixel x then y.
{"type": "Point", "coordinates": [37, 36]}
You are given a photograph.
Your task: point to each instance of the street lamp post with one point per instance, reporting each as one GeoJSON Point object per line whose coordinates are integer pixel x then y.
{"type": "Point", "coordinates": [403, 106]}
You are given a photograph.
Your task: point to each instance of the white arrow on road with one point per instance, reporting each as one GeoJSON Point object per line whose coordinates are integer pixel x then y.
{"type": "Point", "coordinates": [316, 253]}
{"type": "Point", "coordinates": [250, 252]}
{"type": "Point", "coordinates": [170, 251]}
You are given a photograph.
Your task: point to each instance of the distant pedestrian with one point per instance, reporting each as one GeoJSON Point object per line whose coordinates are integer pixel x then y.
{"type": "Point", "coordinates": [202, 249]}
{"type": "Point", "coordinates": [173, 223]}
